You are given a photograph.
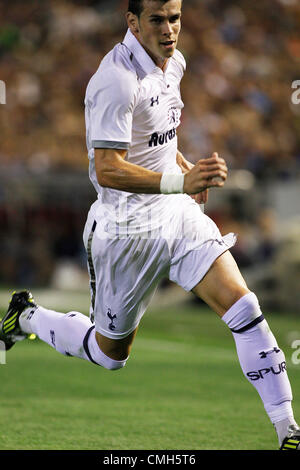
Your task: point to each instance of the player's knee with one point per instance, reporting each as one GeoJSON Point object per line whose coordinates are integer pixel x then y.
{"type": "Point", "coordinates": [250, 304]}
{"type": "Point", "coordinates": [112, 364]}
{"type": "Point", "coordinates": [113, 353]}
{"type": "Point", "coordinates": [109, 363]}
{"type": "Point", "coordinates": [244, 312]}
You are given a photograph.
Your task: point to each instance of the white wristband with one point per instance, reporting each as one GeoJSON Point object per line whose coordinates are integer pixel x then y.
{"type": "Point", "coordinates": [171, 184]}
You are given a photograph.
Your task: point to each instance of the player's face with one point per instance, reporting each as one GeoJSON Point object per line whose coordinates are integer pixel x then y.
{"type": "Point", "coordinates": [158, 28]}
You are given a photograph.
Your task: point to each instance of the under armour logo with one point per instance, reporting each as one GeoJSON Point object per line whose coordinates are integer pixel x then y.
{"type": "Point", "coordinates": [263, 354]}
{"type": "Point", "coordinates": [111, 326]}
{"type": "Point", "coordinates": [29, 316]}
{"type": "Point", "coordinates": [154, 101]}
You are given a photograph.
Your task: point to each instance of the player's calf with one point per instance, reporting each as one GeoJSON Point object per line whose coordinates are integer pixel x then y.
{"type": "Point", "coordinates": [118, 349]}
{"type": "Point", "coordinates": [71, 334]}
{"type": "Point", "coordinates": [262, 361]}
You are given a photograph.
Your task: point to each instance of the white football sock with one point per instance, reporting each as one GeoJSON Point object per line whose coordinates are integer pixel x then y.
{"type": "Point", "coordinates": [71, 334]}
{"type": "Point", "coordinates": [262, 361]}
{"type": "Point", "coordinates": [281, 428]}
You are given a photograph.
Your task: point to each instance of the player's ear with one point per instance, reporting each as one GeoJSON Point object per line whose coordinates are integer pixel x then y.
{"type": "Point", "coordinates": [132, 22]}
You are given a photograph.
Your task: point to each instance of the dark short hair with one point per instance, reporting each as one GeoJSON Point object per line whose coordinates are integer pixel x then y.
{"type": "Point", "coordinates": [136, 6]}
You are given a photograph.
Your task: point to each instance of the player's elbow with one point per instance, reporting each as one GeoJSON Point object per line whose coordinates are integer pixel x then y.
{"type": "Point", "coordinates": [105, 173]}
{"type": "Point", "coordinates": [108, 163]}
{"type": "Point", "coordinates": [104, 178]}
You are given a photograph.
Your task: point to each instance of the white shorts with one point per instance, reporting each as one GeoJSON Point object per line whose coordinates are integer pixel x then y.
{"type": "Point", "coordinates": [125, 272]}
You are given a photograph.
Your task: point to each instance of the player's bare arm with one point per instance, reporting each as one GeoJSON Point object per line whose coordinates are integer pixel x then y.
{"type": "Point", "coordinates": [115, 172]}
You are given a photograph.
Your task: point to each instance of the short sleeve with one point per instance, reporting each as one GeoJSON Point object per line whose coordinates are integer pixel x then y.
{"type": "Point", "coordinates": [111, 107]}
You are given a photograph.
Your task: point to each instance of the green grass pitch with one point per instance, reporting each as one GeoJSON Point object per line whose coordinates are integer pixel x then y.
{"type": "Point", "coordinates": [182, 388]}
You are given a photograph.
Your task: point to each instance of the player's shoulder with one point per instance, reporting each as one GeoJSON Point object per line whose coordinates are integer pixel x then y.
{"type": "Point", "coordinates": [115, 75]}
{"type": "Point", "coordinates": [179, 61]}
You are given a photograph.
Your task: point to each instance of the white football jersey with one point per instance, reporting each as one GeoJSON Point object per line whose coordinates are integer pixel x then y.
{"type": "Point", "coordinates": [132, 104]}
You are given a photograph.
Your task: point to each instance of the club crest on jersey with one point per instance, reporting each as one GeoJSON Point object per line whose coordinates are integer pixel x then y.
{"type": "Point", "coordinates": [173, 116]}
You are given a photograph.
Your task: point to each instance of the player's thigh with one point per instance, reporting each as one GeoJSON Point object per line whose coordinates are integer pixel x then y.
{"type": "Point", "coordinates": [127, 273]}
{"type": "Point", "coordinates": [223, 284]}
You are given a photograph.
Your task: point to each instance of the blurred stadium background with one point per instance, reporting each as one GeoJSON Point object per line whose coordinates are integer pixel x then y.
{"type": "Point", "coordinates": [242, 58]}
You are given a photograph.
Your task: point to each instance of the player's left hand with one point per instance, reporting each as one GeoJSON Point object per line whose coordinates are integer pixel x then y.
{"type": "Point", "coordinates": [200, 198]}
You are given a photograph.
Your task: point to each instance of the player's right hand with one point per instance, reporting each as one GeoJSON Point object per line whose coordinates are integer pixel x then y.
{"type": "Point", "coordinates": [207, 173]}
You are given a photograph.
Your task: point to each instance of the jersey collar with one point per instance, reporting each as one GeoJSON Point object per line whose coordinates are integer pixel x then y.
{"type": "Point", "coordinates": [143, 59]}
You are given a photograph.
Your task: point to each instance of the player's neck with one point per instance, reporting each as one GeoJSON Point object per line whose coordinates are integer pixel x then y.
{"type": "Point", "coordinates": [160, 62]}
{"type": "Point", "coordinates": [165, 64]}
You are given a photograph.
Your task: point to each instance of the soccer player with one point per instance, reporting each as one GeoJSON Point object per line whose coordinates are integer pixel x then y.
{"type": "Point", "coordinates": [147, 223]}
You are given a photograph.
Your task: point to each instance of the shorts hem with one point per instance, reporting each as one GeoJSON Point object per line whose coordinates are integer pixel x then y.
{"type": "Point", "coordinates": [111, 335]}
{"type": "Point", "coordinates": [229, 241]}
